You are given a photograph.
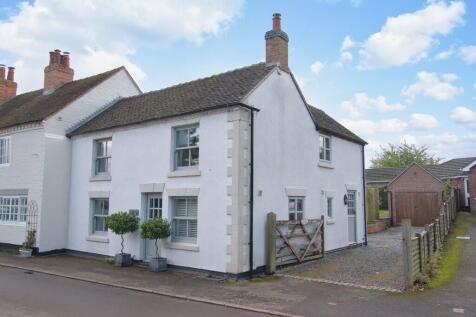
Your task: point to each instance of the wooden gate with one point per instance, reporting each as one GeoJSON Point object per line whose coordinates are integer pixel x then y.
{"type": "Point", "coordinates": [293, 241]}
{"type": "Point", "coordinates": [421, 208]}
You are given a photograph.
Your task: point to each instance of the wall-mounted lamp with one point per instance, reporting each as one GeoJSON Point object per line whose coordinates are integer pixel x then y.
{"type": "Point", "coordinates": [345, 199]}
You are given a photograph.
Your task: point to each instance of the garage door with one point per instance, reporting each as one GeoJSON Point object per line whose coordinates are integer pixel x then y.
{"type": "Point", "coordinates": [421, 208]}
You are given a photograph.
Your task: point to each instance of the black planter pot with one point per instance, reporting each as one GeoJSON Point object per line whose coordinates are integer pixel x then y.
{"type": "Point", "coordinates": [158, 264]}
{"type": "Point", "coordinates": [123, 259]}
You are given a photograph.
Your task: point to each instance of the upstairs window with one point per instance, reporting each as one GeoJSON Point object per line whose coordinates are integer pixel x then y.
{"type": "Point", "coordinates": [296, 208]}
{"type": "Point", "coordinates": [103, 157]}
{"type": "Point", "coordinates": [187, 141]}
{"type": "Point", "coordinates": [4, 151]}
{"type": "Point", "coordinates": [325, 148]}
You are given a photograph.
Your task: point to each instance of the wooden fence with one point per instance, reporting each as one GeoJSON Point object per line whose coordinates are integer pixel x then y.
{"type": "Point", "coordinates": [292, 241]}
{"type": "Point", "coordinates": [419, 248]}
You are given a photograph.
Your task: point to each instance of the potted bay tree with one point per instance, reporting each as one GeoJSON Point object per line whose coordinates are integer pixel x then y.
{"type": "Point", "coordinates": [122, 223]}
{"type": "Point", "coordinates": [156, 229]}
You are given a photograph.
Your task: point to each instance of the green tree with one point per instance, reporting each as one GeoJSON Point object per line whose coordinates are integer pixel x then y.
{"type": "Point", "coordinates": [122, 223]}
{"type": "Point", "coordinates": [155, 229]}
{"type": "Point", "coordinates": [400, 155]}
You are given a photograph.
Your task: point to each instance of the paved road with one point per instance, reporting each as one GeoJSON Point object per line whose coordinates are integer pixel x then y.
{"type": "Point", "coordinates": [41, 295]}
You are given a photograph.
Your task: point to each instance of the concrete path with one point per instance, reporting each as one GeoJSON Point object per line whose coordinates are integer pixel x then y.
{"type": "Point", "coordinates": [39, 295]}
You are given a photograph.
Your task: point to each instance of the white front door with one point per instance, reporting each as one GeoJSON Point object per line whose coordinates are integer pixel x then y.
{"type": "Point", "coordinates": [153, 210]}
{"type": "Point", "coordinates": [352, 216]}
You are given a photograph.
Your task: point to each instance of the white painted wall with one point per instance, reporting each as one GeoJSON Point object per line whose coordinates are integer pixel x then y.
{"type": "Point", "coordinates": [286, 155]}
{"type": "Point", "coordinates": [41, 163]}
{"type": "Point", "coordinates": [24, 172]}
{"type": "Point", "coordinates": [141, 154]}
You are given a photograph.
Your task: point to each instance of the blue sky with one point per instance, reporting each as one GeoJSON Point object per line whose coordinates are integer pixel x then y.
{"type": "Point", "coordinates": [406, 70]}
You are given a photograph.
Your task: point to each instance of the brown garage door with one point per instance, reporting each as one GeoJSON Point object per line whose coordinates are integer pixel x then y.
{"type": "Point", "coordinates": [421, 208]}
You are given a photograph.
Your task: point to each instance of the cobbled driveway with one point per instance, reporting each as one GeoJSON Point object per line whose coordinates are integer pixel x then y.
{"type": "Point", "coordinates": [379, 264]}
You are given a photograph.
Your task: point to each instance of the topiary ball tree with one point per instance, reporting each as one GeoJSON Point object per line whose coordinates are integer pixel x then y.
{"type": "Point", "coordinates": [122, 223]}
{"type": "Point", "coordinates": [155, 229]}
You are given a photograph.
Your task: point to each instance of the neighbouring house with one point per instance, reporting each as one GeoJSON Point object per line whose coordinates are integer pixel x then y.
{"type": "Point", "coordinates": [35, 154]}
{"type": "Point", "coordinates": [418, 191]}
{"type": "Point", "coordinates": [214, 156]}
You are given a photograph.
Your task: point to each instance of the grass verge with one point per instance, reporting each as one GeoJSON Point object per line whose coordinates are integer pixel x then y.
{"type": "Point", "coordinates": [449, 258]}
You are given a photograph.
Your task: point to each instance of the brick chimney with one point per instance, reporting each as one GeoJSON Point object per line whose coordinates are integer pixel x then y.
{"type": "Point", "coordinates": [8, 86]}
{"type": "Point", "coordinates": [277, 44]}
{"type": "Point", "coordinates": [58, 70]}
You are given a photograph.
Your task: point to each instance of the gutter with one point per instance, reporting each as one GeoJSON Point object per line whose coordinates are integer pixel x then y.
{"type": "Point", "coordinates": [364, 194]}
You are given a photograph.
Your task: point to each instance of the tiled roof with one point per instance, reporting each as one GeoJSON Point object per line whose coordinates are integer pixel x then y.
{"type": "Point", "coordinates": [445, 170]}
{"type": "Point", "coordinates": [327, 124]}
{"type": "Point", "coordinates": [35, 106]}
{"type": "Point", "coordinates": [199, 95]}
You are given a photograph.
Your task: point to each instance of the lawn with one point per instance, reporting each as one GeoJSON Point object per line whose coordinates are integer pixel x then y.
{"type": "Point", "coordinates": [383, 214]}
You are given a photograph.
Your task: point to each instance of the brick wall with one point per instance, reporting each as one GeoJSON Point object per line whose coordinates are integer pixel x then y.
{"type": "Point", "coordinates": [277, 51]}
{"type": "Point", "coordinates": [472, 189]}
{"type": "Point", "coordinates": [7, 89]}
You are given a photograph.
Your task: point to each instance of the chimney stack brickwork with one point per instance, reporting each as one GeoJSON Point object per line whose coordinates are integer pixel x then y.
{"type": "Point", "coordinates": [58, 71]}
{"type": "Point", "coordinates": [277, 44]}
{"type": "Point", "coordinates": [8, 86]}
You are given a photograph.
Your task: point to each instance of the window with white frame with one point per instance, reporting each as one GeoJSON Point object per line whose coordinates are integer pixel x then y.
{"type": "Point", "coordinates": [13, 208]}
{"type": "Point", "coordinates": [100, 212]}
{"type": "Point", "coordinates": [296, 208]}
{"type": "Point", "coordinates": [4, 151]}
{"type": "Point", "coordinates": [325, 148]}
{"type": "Point", "coordinates": [103, 156]}
{"type": "Point", "coordinates": [184, 219]}
{"type": "Point", "coordinates": [330, 208]}
{"type": "Point", "coordinates": [186, 150]}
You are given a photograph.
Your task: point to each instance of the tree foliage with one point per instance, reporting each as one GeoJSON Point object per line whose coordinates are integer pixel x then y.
{"type": "Point", "coordinates": [122, 223]}
{"type": "Point", "coordinates": [155, 229]}
{"type": "Point", "coordinates": [400, 155]}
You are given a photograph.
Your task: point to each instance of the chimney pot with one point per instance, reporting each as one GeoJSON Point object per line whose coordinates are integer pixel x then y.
{"type": "Point", "coordinates": [277, 21]}
{"type": "Point", "coordinates": [58, 71]}
{"type": "Point", "coordinates": [52, 58]}
{"type": "Point", "coordinates": [65, 59]}
{"type": "Point", "coordinates": [11, 73]}
{"type": "Point", "coordinates": [2, 72]}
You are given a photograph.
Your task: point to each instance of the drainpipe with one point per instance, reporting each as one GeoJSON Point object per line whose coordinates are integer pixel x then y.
{"type": "Point", "coordinates": [364, 194]}
{"type": "Point", "coordinates": [251, 192]}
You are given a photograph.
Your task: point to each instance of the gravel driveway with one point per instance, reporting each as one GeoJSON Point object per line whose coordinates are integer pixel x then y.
{"type": "Point", "coordinates": [379, 264]}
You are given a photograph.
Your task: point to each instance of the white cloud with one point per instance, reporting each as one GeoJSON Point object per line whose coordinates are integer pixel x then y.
{"type": "Point", "coordinates": [440, 140]}
{"type": "Point", "coordinates": [317, 67]}
{"type": "Point", "coordinates": [103, 34]}
{"type": "Point", "coordinates": [474, 86]}
{"type": "Point", "coordinates": [468, 54]}
{"type": "Point", "coordinates": [434, 86]}
{"type": "Point", "coordinates": [361, 102]}
{"type": "Point", "coordinates": [347, 43]}
{"type": "Point", "coordinates": [444, 55]}
{"type": "Point", "coordinates": [368, 127]}
{"type": "Point", "coordinates": [346, 57]}
{"type": "Point", "coordinates": [408, 37]}
{"type": "Point", "coordinates": [421, 121]}
{"type": "Point", "coordinates": [464, 115]}
{"type": "Point", "coordinates": [356, 3]}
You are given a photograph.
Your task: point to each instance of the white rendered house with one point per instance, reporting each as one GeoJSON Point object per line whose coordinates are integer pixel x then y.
{"type": "Point", "coordinates": [210, 156]}
{"type": "Point", "coordinates": [35, 154]}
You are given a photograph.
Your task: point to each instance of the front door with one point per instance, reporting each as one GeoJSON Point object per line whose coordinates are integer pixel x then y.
{"type": "Point", "coordinates": [153, 210]}
{"type": "Point", "coordinates": [351, 215]}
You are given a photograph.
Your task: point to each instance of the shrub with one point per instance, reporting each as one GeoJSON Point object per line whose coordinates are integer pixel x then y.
{"type": "Point", "coordinates": [122, 223]}
{"type": "Point", "coordinates": [30, 240]}
{"type": "Point", "coordinates": [155, 229]}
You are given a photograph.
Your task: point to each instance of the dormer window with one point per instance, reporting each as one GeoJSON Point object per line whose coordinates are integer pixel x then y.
{"type": "Point", "coordinates": [325, 148]}
{"type": "Point", "coordinates": [4, 151]}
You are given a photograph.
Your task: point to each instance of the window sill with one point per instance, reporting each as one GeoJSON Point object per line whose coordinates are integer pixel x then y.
{"type": "Point", "coordinates": [96, 238]}
{"type": "Point", "coordinates": [100, 178]}
{"type": "Point", "coordinates": [330, 221]}
{"type": "Point", "coordinates": [182, 246]}
{"type": "Point", "coordinates": [326, 165]}
{"type": "Point", "coordinates": [13, 223]}
{"type": "Point", "coordinates": [184, 173]}
{"type": "Point", "coordinates": [5, 165]}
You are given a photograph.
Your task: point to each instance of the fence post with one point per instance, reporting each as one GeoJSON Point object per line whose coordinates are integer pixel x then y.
{"type": "Point", "coordinates": [407, 252]}
{"type": "Point", "coordinates": [271, 243]}
{"type": "Point", "coordinates": [420, 250]}
{"type": "Point", "coordinates": [428, 240]}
